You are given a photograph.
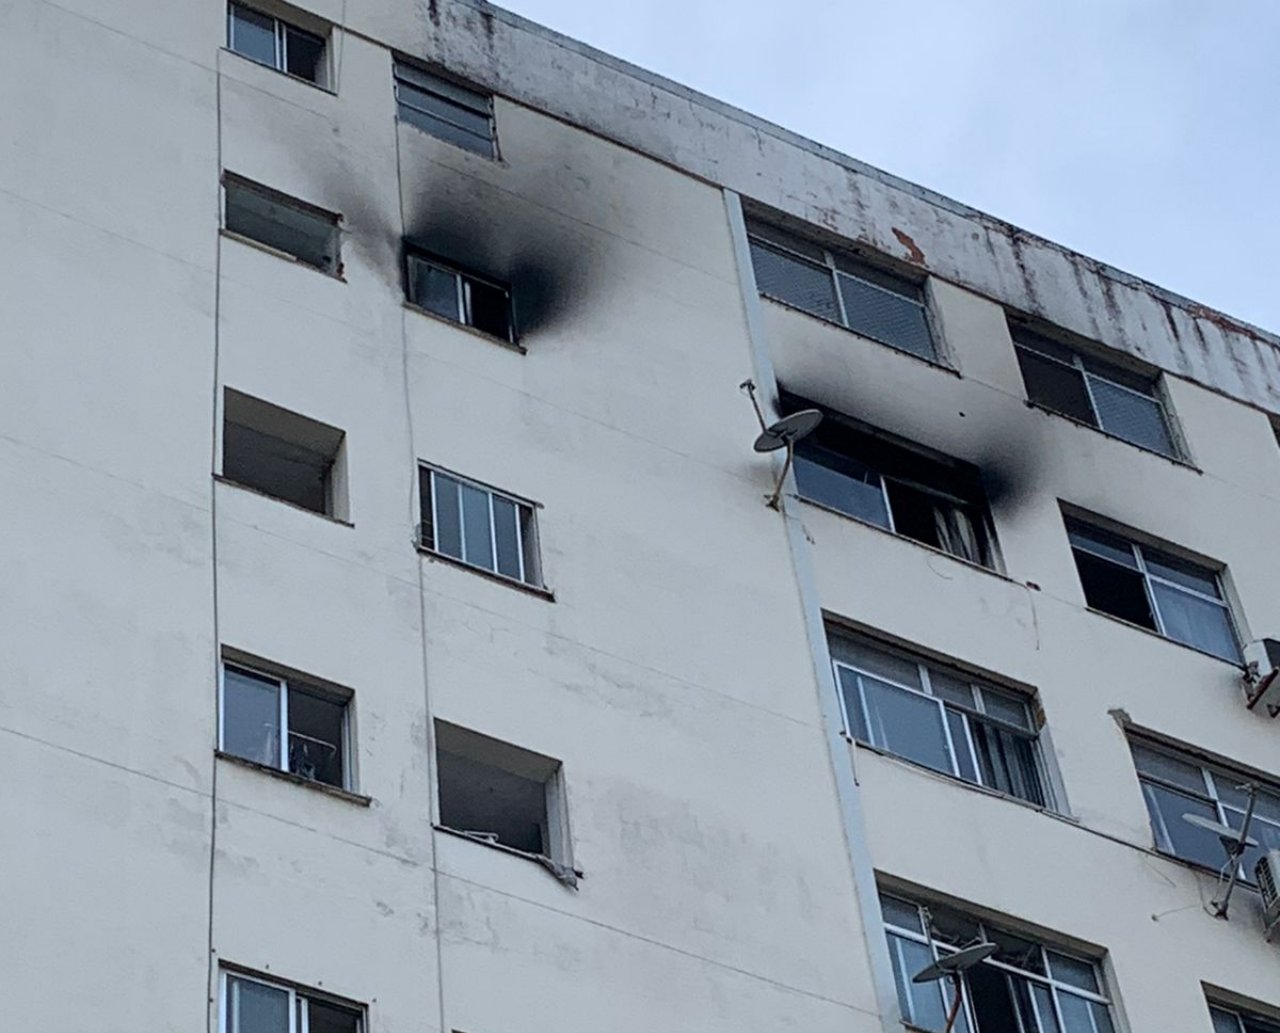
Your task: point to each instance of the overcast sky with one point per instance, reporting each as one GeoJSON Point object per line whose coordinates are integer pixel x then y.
{"type": "Point", "coordinates": [1145, 133]}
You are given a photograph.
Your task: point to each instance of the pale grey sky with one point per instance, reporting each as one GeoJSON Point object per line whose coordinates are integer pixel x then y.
{"type": "Point", "coordinates": [1145, 133]}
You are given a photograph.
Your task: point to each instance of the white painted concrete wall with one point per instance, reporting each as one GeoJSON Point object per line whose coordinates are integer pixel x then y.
{"type": "Point", "coordinates": [671, 674]}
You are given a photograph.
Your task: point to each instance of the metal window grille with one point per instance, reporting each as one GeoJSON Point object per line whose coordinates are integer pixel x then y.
{"type": "Point", "coordinates": [479, 526]}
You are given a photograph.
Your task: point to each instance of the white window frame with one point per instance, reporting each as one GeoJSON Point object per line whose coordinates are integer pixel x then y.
{"type": "Point", "coordinates": [299, 1003]}
{"type": "Point", "coordinates": [283, 688]}
{"type": "Point", "coordinates": [1055, 987]}
{"type": "Point", "coordinates": [1239, 1017]}
{"type": "Point", "coordinates": [462, 290]}
{"type": "Point", "coordinates": [280, 63]}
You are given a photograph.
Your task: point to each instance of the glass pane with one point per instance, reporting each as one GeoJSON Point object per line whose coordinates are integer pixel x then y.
{"type": "Point", "coordinates": [1007, 707]}
{"type": "Point", "coordinates": [1017, 951]}
{"type": "Point", "coordinates": [794, 281]}
{"type": "Point", "coordinates": [529, 540]}
{"type": "Point", "coordinates": [886, 317]}
{"type": "Point", "coordinates": [1266, 833]}
{"type": "Point", "coordinates": [256, 1008]}
{"type": "Point", "coordinates": [901, 913]}
{"type": "Point", "coordinates": [440, 111]}
{"type": "Point", "coordinates": [1048, 1018]}
{"type": "Point", "coordinates": [1009, 762]}
{"type": "Point", "coordinates": [1055, 386]}
{"type": "Point", "coordinates": [1114, 590]}
{"type": "Point", "coordinates": [907, 724]}
{"type": "Point", "coordinates": [303, 54]}
{"type": "Point", "coordinates": [1077, 1014]}
{"type": "Point", "coordinates": [841, 482]}
{"type": "Point", "coordinates": [868, 658]}
{"type": "Point", "coordinates": [1131, 416]}
{"type": "Point", "coordinates": [434, 289]}
{"type": "Point", "coordinates": [1178, 837]}
{"type": "Point", "coordinates": [253, 35]}
{"type": "Point", "coordinates": [952, 928]}
{"type": "Point", "coordinates": [1180, 572]}
{"type": "Point", "coordinates": [1266, 806]}
{"type": "Point", "coordinates": [952, 689]}
{"type": "Point", "coordinates": [921, 1003]}
{"type": "Point", "coordinates": [1101, 543]}
{"type": "Point", "coordinates": [507, 537]}
{"type": "Point", "coordinates": [852, 696]}
{"type": "Point", "coordinates": [306, 235]}
{"type": "Point", "coordinates": [323, 1017]}
{"type": "Point", "coordinates": [1195, 621]}
{"type": "Point", "coordinates": [448, 517]}
{"type": "Point", "coordinates": [958, 723]}
{"type": "Point", "coordinates": [1074, 972]}
{"type": "Point", "coordinates": [1169, 769]}
{"type": "Point", "coordinates": [251, 716]}
{"type": "Point", "coordinates": [316, 726]}
{"type": "Point", "coordinates": [488, 309]}
{"type": "Point", "coordinates": [1224, 1021]}
{"type": "Point", "coordinates": [447, 131]}
{"type": "Point", "coordinates": [477, 545]}
{"type": "Point", "coordinates": [1101, 1017]}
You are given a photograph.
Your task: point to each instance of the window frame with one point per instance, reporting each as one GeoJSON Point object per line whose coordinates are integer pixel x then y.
{"type": "Point", "coordinates": [979, 712]}
{"type": "Point", "coordinates": [300, 999]}
{"type": "Point", "coordinates": [281, 28]}
{"type": "Point", "coordinates": [454, 92]}
{"type": "Point", "coordinates": [1245, 1020]}
{"type": "Point", "coordinates": [285, 685]}
{"type": "Point", "coordinates": [234, 181]}
{"type": "Point", "coordinates": [1055, 986]}
{"type": "Point", "coordinates": [463, 279]}
{"type": "Point", "coordinates": [528, 539]}
{"type": "Point", "coordinates": [839, 263]}
{"type": "Point", "coordinates": [1141, 567]}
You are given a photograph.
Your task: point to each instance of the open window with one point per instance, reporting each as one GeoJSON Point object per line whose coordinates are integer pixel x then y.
{"type": "Point", "coordinates": [289, 227]}
{"type": "Point", "coordinates": [444, 290]}
{"type": "Point", "coordinates": [284, 454]}
{"type": "Point", "coordinates": [871, 476]}
{"type": "Point", "coordinates": [502, 795]}
{"type": "Point", "coordinates": [251, 1004]}
{"type": "Point", "coordinates": [279, 43]}
{"type": "Point", "coordinates": [1026, 985]}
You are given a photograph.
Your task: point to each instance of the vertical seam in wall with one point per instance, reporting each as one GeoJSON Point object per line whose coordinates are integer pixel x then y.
{"type": "Point", "coordinates": [838, 750]}
{"type": "Point", "coordinates": [414, 513]}
{"type": "Point", "coordinates": [211, 979]}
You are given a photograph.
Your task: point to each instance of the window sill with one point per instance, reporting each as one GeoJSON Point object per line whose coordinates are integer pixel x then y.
{"type": "Point", "coordinates": [910, 541]}
{"type": "Point", "coordinates": [567, 876]}
{"type": "Point", "coordinates": [510, 582]}
{"type": "Point", "coordinates": [1238, 664]}
{"type": "Point", "coordinates": [501, 342]}
{"type": "Point", "coordinates": [280, 71]}
{"type": "Point", "coordinates": [493, 159]}
{"type": "Point", "coordinates": [934, 363]}
{"type": "Point", "coordinates": [220, 479]}
{"type": "Point", "coordinates": [1175, 460]}
{"type": "Point", "coordinates": [288, 776]}
{"type": "Point", "coordinates": [267, 249]}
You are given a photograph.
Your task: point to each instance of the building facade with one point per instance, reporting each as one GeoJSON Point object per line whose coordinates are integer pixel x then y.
{"type": "Point", "coordinates": [398, 635]}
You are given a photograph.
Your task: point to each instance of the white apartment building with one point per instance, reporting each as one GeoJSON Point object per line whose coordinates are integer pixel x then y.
{"type": "Point", "coordinates": [397, 633]}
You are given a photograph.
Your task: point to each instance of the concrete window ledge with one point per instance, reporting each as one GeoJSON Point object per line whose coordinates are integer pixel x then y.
{"type": "Point", "coordinates": [342, 794]}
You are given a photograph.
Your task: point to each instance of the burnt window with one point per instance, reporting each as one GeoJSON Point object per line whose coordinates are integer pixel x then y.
{"type": "Point", "coordinates": [1149, 587]}
{"type": "Point", "coordinates": [837, 287]}
{"type": "Point", "coordinates": [283, 454]}
{"type": "Point", "coordinates": [500, 794]}
{"type": "Point", "coordinates": [289, 227]}
{"type": "Point", "coordinates": [276, 43]}
{"type": "Point", "coordinates": [251, 1004]}
{"type": "Point", "coordinates": [284, 723]}
{"type": "Point", "coordinates": [1118, 401]}
{"type": "Point", "coordinates": [928, 498]}
{"type": "Point", "coordinates": [445, 109]}
{"type": "Point", "coordinates": [479, 526]}
{"type": "Point", "coordinates": [1026, 985]}
{"type": "Point", "coordinates": [461, 297]}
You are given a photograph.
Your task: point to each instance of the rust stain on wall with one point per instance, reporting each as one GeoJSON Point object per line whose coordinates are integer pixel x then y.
{"type": "Point", "coordinates": [913, 250]}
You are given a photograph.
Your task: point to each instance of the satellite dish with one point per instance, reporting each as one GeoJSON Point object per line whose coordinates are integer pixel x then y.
{"type": "Point", "coordinates": [954, 964]}
{"type": "Point", "coordinates": [788, 430]}
{"type": "Point", "coordinates": [1235, 841]}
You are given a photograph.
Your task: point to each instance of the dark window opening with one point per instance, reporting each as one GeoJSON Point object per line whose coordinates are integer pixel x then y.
{"type": "Point", "coordinates": [445, 109]}
{"type": "Point", "coordinates": [459, 297]}
{"type": "Point", "coordinates": [1232, 1020]}
{"type": "Point", "coordinates": [284, 224]}
{"type": "Point", "coordinates": [252, 1005]}
{"type": "Point", "coordinates": [282, 454]}
{"type": "Point", "coordinates": [275, 43]}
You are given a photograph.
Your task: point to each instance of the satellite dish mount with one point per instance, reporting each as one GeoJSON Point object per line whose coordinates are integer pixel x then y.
{"type": "Point", "coordinates": [783, 433]}
{"type": "Point", "coordinates": [953, 967]}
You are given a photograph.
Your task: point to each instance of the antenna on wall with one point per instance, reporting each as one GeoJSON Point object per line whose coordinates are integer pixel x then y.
{"type": "Point", "coordinates": [783, 433]}
{"type": "Point", "coordinates": [1235, 842]}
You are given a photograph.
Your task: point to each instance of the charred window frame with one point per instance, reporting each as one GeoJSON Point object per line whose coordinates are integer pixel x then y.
{"type": "Point", "coordinates": [282, 224]}
{"type": "Point", "coordinates": [870, 301]}
{"type": "Point", "coordinates": [940, 718]}
{"type": "Point", "coordinates": [277, 43]}
{"type": "Point", "coordinates": [285, 723]}
{"type": "Point", "coordinates": [479, 526]}
{"type": "Point", "coordinates": [1176, 782]}
{"type": "Point", "coordinates": [445, 109]}
{"type": "Point", "coordinates": [443, 289]}
{"type": "Point", "coordinates": [1150, 587]}
{"type": "Point", "coordinates": [252, 1004]}
{"type": "Point", "coordinates": [1234, 1020]}
{"type": "Point", "coordinates": [931, 499]}
{"type": "Point", "coordinates": [1119, 402]}
{"type": "Point", "coordinates": [1025, 985]}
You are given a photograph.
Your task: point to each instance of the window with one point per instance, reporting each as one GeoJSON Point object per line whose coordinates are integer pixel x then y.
{"type": "Point", "coordinates": [928, 498]}
{"type": "Point", "coordinates": [1175, 783]}
{"type": "Point", "coordinates": [276, 44]}
{"type": "Point", "coordinates": [502, 794]}
{"type": "Point", "coordinates": [290, 227]}
{"type": "Point", "coordinates": [1143, 585]}
{"type": "Point", "coordinates": [283, 454]}
{"type": "Point", "coordinates": [479, 526]}
{"type": "Point", "coordinates": [869, 301]}
{"type": "Point", "coordinates": [939, 717]}
{"type": "Point", "coordinates": [1231, 1020]}
{"type": "Point", "coordinates": [284, 723]}
{"type": "Point", "coordinates": [1121, 403]}
{"type": "Point", "coordinates": [445, 109]}
{"type": "Point", "coordinates": [253, 1005]}
{"type": "Point", "coordinates": [1023, 986]}
{"type": "Point", "coordinates": [460, 297]}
